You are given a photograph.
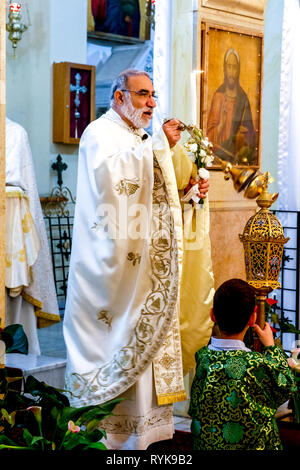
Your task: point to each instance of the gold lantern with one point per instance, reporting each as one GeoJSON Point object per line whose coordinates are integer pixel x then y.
{"type": "Point", "coordinates": [263, 239]}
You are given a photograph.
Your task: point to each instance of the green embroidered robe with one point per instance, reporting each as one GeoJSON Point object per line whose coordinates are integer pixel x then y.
{"type": "Point", "coordinates": [234, 398]}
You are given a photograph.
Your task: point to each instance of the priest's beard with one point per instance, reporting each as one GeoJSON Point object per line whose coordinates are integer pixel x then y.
{"type": "Point", "coordinates": [134, 115]}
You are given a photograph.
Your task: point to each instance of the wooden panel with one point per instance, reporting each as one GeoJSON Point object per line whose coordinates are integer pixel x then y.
{"type": "Point", "coordinates": [2, 160]}
{"type": "Point", "coordinates": [250, 8]}
{"type": "Point", "coordinates": [61, 100]}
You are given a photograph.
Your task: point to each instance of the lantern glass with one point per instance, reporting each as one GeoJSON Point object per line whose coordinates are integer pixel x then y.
{"type": "Point", "coordinates": [263, 241]}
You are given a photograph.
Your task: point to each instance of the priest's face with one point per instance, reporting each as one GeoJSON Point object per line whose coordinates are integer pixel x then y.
{"type": "Point", "coordinates": [139, 101]}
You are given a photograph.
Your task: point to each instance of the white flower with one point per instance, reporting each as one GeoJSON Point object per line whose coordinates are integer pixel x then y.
{"type": "Point", "coordinates": [192, 157]}
{"type": "Point", "coordinates": [193, 147]}
{"type": "Point", "coordinates": [208, 160]}
{"type": "Point", "coordinates": [203, 173]}
{"type": "Point", "coordinates": [202, 153]}
{"type": "Point", "coordinates": [206, 142]}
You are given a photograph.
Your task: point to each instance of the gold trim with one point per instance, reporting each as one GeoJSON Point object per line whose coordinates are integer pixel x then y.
{"type": "Point", "coordinates": [47, 316]}
{"type": "Point", "coordinates": [44, 322]}
{"type": "Point", "coordinates": [16, 194]}
{"type": "Point", "coordinates": [32, 300]}
{"type": "Point", "coordinates": [169, 398]}
{"type": "Point", "coordinates": [44, 319]}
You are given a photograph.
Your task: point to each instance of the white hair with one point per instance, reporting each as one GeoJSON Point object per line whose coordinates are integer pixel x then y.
{"type": "Point", "coordinates": [120, 82]}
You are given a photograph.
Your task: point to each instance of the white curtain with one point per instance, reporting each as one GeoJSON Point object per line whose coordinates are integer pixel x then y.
{"type": "Point", "coordinates": [289, 120]}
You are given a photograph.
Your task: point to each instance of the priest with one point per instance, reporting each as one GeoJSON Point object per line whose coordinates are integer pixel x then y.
{"type": "Point", "coordinates": [121, 324]}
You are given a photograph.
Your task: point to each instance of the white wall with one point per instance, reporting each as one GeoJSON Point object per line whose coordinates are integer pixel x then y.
{"type": "Point", "coordinates": [57, 33]}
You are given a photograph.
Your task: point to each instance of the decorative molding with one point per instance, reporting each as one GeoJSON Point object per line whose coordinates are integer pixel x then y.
{"type": "Point", "coordinates": [250, 8]}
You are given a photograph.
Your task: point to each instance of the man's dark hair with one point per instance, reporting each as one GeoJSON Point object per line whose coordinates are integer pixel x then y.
{"type": "Point", "coordinates": [233, 304]}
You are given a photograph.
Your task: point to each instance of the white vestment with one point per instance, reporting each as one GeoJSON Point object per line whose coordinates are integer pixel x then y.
{"type": "Point", "coordinates": [30, 292]}
{"type": "Point", "coordinates": [121, 323]}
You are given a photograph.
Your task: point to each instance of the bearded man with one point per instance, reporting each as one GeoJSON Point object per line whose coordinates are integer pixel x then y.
{"type": "Point", "coordinates": [230, 126]}
{"type": "Point", "coordinates": [121, 324]}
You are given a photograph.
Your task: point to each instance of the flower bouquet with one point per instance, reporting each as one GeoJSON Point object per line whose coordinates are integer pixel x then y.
{"type": "Point", "coordinates": [199, 149]}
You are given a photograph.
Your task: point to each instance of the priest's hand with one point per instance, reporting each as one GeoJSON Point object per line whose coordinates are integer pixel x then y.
{"type": "Point", "coordinates": [203, 186]}
{"type": "Point", "coordinates": [172, 129]}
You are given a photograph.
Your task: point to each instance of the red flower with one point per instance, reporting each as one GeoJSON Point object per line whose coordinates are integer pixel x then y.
{"type": "Point", "coordinates": [271, 301]}
{"type": "Point", "coordinates": [273, 329]}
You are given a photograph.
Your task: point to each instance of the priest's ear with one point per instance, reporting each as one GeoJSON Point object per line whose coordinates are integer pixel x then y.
{"type": "Point", "coordinates": [119, 97]}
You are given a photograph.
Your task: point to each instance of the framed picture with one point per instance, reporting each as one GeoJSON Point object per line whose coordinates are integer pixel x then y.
{"type": "Point", "coordinates": [231, 93]}
{"type": "Point", "coordinates": [120, 20]}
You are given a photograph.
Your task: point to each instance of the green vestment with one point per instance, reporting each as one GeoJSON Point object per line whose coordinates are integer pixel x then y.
{"type": "Point", "coordinates": [234, 398]}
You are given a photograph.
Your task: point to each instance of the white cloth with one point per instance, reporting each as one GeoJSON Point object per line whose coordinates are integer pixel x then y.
{"type": "Point", "coordinates": [40, 292]}
{"type": "Point", "coordinates": [123, 286]}
{"type": "Point", "coordinates": [22, 244]}
{"type": "Point", "coordinates": [138, 421]}
{"type": "Point", "coordinates": [220, 344]}
{"type": "Point", "coordinates": [191, 194]}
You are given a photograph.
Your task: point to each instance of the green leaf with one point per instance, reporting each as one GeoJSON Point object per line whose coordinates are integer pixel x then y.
{"type": "Point", "coordinates": [55, 413]}
{"type": "Point", "coordinates": [82, 439]}
{"type": "Point", "coordinates": [6, 440]}
{"type": "Point", "coordinates": [87, 413]}
{"type": "Point", "coordinates": [45, 392]}
{"type": "Point", "coordinates": [92, 425]}
{"type": "Point", "coordinates": [95, 435]}
{"type": "Point", "coordinates": [19, 339]}
{"type": "Point", "coordinates": [289, 328]}
{"type": "Point", "coordinates": [36, 440]}
{"type": "Point", "coordinates": [28, 437]}
{"type": "Point", "coordinates": [96, 445]}
{"type": "Point", "coordinates": [275, 318]}
{"type": "Point", "coordinates": [74, 440]}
